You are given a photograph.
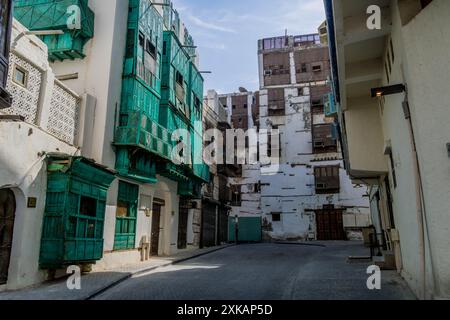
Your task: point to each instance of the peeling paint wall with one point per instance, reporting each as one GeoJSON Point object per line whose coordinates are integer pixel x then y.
{"type": "Point", "coordinates": [289, 194]}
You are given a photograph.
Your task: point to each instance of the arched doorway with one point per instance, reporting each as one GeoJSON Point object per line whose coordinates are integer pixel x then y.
{"type": "Point", "coordinates": [7, 215]}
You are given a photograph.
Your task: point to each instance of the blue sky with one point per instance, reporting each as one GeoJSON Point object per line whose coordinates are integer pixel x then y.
{"type": "Point", "coordinates": [226, 33]}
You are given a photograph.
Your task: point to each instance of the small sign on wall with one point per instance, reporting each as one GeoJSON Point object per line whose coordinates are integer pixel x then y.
{"type": "Point", "coordinates": [32, 202]}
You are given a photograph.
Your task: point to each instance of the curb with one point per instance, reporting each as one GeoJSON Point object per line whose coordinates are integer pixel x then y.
{"type": "Point", "coordinates": [131, 274]}
{"type": "Point", "coordinates": [301, 244]}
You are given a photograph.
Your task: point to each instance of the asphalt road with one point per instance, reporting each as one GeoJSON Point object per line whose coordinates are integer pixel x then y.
{"type": "Point", "coordinates": [264, 272]}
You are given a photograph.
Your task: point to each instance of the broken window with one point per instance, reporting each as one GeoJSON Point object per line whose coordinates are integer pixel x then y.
{"type": "Point", "coordinates": [276, 217]}
{"type": "Point", "coordinates": [317, 68]}
{"type": "Point", "coordinates": [327, 179]}
{"type": "Point", "coordinates": [303, 68]}
{"type": "Point", "coordinates": [277, 103]}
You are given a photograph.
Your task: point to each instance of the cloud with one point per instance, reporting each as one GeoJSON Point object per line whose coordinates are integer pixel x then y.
{"type": "Point", "coordinates": [216, 46]}
{"type": "Point", "coordinates": [207, 25]}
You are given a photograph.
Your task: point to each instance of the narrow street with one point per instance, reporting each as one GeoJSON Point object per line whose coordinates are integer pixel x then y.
{"type": "Point", "coordinates": [264, 272]}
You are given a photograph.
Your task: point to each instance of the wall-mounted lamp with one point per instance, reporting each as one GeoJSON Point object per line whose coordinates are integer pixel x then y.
{"type": "Point", "coordinates": [386, 91]}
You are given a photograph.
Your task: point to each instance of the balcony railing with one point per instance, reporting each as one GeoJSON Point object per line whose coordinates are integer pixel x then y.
{"type": "Point", "coordinates": [59, 118]}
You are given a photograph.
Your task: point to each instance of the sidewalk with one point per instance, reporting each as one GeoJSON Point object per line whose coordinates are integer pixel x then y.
{"type": "Point", "coordinates": [93, 284]}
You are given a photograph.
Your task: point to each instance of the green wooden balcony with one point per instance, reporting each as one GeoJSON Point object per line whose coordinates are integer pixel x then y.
{"type": "Point", "coordinates": [75, 211]}
{"type": "Point", "coordinates": [330, 106]}
{"type": "Point", "coordinates": [137, 129]}
{"type": "Point", "coordinates": [54, 15]}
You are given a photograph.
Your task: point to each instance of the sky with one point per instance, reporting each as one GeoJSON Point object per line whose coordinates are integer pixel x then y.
{"type": "Point", "coordinates": [227, 33]}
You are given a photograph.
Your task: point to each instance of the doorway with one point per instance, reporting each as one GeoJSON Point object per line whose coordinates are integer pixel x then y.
{"type": "Point", "coordinates": [330, 224]}
{"type": "Point", "coordinates": [183, 224]}
{"type": "Point", "coordinates": [7, 216]}
{"type": "Point", "coordinates": [156, 223]}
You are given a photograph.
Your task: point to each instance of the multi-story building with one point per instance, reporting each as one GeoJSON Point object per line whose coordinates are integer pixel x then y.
{"type": "Point", "coordinates": [134, 81]}
{"type": "Point", "coordinates": [40, 157]}
{"type": "Point", "coordinates": [5, 34]}
{"type": "Point", "coordinates": [391, 85]}
{"type": "Point", "coordinates": [217, 197]}
{"type": "Point", "coordinates": [309, 196]}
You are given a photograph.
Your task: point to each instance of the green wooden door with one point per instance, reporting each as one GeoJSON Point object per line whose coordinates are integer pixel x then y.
{"type": "Point", "coordinates": [249, 229]}
{"type": "Point", "coordinates": [126, 215]}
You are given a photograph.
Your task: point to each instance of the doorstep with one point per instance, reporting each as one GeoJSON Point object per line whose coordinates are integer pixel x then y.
{"type": "Point", "coordinates": [95, 283]}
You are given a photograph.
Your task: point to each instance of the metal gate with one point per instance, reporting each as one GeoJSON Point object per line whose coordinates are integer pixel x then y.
{"type": "Point", "coordinates": [183, 223]}
{"type": "Point", "coordinates": [208, 225]}
{"type": "Point", "coordinates": [330, 224]}
{"type": "Point", "coordinates": [7, 216]}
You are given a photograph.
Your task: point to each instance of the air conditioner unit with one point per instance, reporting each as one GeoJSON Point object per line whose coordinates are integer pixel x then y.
{"type": "Point", "coordinates": [321, 186]}
{"type": "Point", "coordinates": [319, 144]}
{"type": "Point", "coordinates": [267, 73]}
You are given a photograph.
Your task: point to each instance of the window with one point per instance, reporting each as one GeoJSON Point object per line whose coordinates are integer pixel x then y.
{"type": "Point", "coordinates": [304, 68]}
{"type": "Point", "coordinates": [88, 207]}
{"type": "Point", "coordinates": [276, 217]}
{"type": "Point", "coordinates": [197, 103]}
{"type": "Point", "coordinates": [245, 106]}
{"type": "Point", "coordinates": [393, 172]}
{"type": "Point", "coordinates": [327, 179]}
{"type": "Point", "coordinates": [126, 215]}
{"type": "Point", "coordinates": [317, 68]}
{"type": "Point", "coordinates": [324, 138]}
{"type": "Point", "coordinates": [141, 40]}
{"type": "Point", "coordinates": [300, 92]}
{"type": "Point", "coordinates": [151, 49]}
{"type": "Point", "coordinates": [392, 50]}
{"type": "Point", "coordinates": [179, 79]}
{"type": "Point", "coordinates": [20, 76]}
{"type": "Point", "coordinates": [234, 107]}
{"type": "Point", "coordinates": [387, 72]}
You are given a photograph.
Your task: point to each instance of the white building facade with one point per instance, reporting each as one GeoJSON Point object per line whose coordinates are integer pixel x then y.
{"type": "Point", "coordinates": [397, 142]}
{"type": "Point", "coordinates": [67, 107]}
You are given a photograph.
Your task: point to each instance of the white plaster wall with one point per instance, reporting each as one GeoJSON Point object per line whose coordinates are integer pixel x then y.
{"type": "Point", "coordinates": [421, 47]}
{"type": "Point", "coordinates": [27, 176]}
{"type": "Point", "coordinates": [366, 145]}
{"type": "Point", "coordinates": [100, 74]}
{"type": "Point", "coordinates": [291, 191]}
